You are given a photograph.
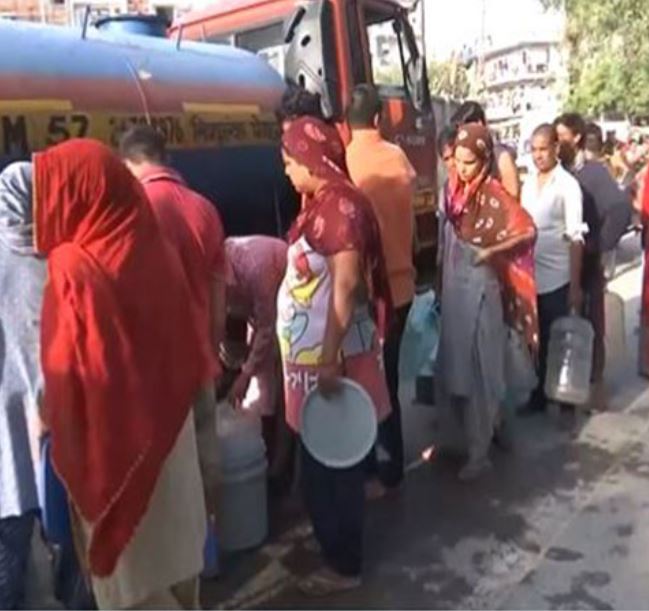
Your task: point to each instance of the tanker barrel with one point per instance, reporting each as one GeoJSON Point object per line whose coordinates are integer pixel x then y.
{"type": "Point", "coordinates": [215, 105]}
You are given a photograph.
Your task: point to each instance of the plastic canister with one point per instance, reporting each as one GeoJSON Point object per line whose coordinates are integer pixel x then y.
{"type": "Point", "coordinates": [243, 512]}
{"type": "Point", "coordinates": [243, 508]}
{"type": "Point", "coordinates": [240, 439]}
{"type": "Point", "coordinates": [570, 356]}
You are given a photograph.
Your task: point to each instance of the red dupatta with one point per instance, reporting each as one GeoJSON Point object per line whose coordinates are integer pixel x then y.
{"type": "Point", "coordinates": [119, 347]}
{"type": "Point", "coordinates": [484, 214]}
{"type": "Point", "coordinates": [644, 330]}
{"type": "Point", "coordinates": [338, 217]}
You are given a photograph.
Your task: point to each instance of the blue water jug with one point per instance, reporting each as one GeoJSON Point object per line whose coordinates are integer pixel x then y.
{"type": "Point", "coordinates": [211, 568]}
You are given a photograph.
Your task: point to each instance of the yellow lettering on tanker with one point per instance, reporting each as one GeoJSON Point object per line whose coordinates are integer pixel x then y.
{"type": "Point", "coordinates": [23, 133]}
{"type": "Point", "coordinates": [64, 127]}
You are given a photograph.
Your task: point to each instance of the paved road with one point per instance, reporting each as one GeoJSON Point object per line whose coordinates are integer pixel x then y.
{"type": "Point", "coordinates": [563, 522]}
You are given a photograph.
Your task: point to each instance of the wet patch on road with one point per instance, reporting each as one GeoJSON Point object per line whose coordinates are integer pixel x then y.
{"type": "Point", "coordinates": [624, 530]}
{"type": "Point", "coordinates": [561, 554]}
{"type": "Point", "coordinates": [579, 596]}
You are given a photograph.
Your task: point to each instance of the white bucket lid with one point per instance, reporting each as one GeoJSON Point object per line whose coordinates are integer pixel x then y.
{"type": "Point", "coordinates": [340, 431]}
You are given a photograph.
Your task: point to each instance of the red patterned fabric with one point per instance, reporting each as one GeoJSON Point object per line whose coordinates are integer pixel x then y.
{"type": "Point", "coordinates": [119, 340]}
{"type": "Point", "coordinates": [484, 214]}
{"type": "Point", "coordinates": [644, 323]}
{"type": "Point", "coordinates": [338, 217]}
{"type": "Point", "coordinates": [316, 145]}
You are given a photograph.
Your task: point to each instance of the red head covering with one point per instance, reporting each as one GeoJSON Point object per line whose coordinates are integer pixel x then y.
{"type": "Point", "coordinates": [338, 217]}
{"type": "Point", "coordinates": [316, 145]}
{"type": "Point", "coordinates": [119, 348]}
{"type": "Point", "coordinates": [483, 215]}
{"type": "Point", "coordinates": [477, 138]}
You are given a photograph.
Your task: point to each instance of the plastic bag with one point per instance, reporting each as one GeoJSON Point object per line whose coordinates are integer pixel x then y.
{"type": "Point", "coordinates": [520, 373]}
{"type": "Point", "coordinates": [421, 337]}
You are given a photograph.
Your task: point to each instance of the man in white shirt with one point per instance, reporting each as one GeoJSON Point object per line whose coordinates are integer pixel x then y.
{"type": "Point", "coordinates": [553, 198]}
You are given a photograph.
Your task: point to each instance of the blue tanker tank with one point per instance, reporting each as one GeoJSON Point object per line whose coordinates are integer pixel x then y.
{"type": "Point", "coordinates": [214, 105]}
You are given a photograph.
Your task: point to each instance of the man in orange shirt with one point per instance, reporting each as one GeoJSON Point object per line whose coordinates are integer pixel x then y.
{"type": "Point", "coordinates": [382, 171]}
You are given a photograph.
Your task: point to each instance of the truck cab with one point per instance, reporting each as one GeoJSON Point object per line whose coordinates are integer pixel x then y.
{"type": "Point", "coordinates": [329, 47]}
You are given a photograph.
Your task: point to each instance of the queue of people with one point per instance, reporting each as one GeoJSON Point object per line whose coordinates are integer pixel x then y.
{"type": "Point", "coordinates": [126, 314]}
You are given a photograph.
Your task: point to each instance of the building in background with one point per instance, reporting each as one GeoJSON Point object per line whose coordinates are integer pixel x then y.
{"type": "Point", "coordinates": [50, 11]}
{"type": "Point", "coordinates": [520, 75]}
{"type": "Point", "coordinates": [72, 12]}
{"type": "Point", "coordinates": [522, 81]}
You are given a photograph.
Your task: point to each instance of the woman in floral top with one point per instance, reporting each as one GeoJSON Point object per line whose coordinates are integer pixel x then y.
{"type": "Point", "coordinates": [334, 290]}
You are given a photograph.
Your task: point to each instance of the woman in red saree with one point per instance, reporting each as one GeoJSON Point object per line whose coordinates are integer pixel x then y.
{"type": "Point", "coordinates": [335, 274]}
{"type": "Point", "coordinates": [488, 291]}
{"type": "Point", "coordinates": [122, 367]}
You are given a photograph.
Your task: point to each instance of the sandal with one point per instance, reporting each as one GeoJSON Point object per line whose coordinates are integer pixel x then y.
{"type": "Point", "coordinates": [325, 582]}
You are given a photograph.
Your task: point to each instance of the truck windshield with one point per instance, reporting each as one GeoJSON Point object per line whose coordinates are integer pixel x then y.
{"type": "Point", "coordinates": [389, 52]}
{"type": "Point", "coordinates": [267, 42]}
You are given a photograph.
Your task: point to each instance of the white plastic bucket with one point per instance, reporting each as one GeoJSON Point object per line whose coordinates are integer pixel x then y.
{"type": "Point", "coordinates": [243, 507]}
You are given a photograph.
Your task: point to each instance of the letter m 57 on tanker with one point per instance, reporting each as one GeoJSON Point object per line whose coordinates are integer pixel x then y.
{"type": "Point", "coordinates": [214, 103]}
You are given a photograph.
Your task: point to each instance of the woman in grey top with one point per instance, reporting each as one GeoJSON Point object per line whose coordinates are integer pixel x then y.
{"type": "Point", "coordinates": [22, 277]}
{"type": "Point", "coordinates": [488, 289]}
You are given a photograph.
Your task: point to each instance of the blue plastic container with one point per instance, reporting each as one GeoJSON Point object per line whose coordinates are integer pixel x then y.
{"type": "Point", "coordinates": [211, 567]}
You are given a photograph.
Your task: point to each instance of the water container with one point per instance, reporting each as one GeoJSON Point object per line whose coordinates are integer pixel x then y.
{"type": "Point", "coordinates": [570, 357]}
{"type": "Point", "coordinates": [240, 439]}
{"type": "Point", "coordinates": [243, 508]}
{"type": "Point", "coordinates": [243, 513]}
{"type": "Point", "coordinates": [211, 568]}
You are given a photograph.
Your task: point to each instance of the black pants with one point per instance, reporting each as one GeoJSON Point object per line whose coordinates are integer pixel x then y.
{"type": "Point", "coordinates": [594, 286]}
{"type": "Point", "coordinates": [552, 306]}
{"type": "Point", "coordinates": [390, 435]}
{"type": "Point", "coordinates": [335, 502]}
{"type": "Point", "coordinates": [15, 548]}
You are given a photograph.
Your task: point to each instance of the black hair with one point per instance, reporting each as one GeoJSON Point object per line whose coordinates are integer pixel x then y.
{"type": "Point", "coordinates": [594, 140]}
{"type": "Point", "coordinates": [548, 130]}
{"type": "Point", "coordinates": [575, 123]}
{"type": "Point", "coordinates": [143, 143]}
{"type": "Point", "coordinates": [298, 102]}
{"type": "Point", "coordinates": [469, 112]}
{"type": "Point", "coordinates": [364, 107]}
{"type": "Point", "coordinates": [446, 137]}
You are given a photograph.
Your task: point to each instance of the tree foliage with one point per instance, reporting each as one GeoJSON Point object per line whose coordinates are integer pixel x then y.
{"type": "Point", "coordinates": [448, 79]}
{"type": "Point", "coordinates": [608, 45]}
